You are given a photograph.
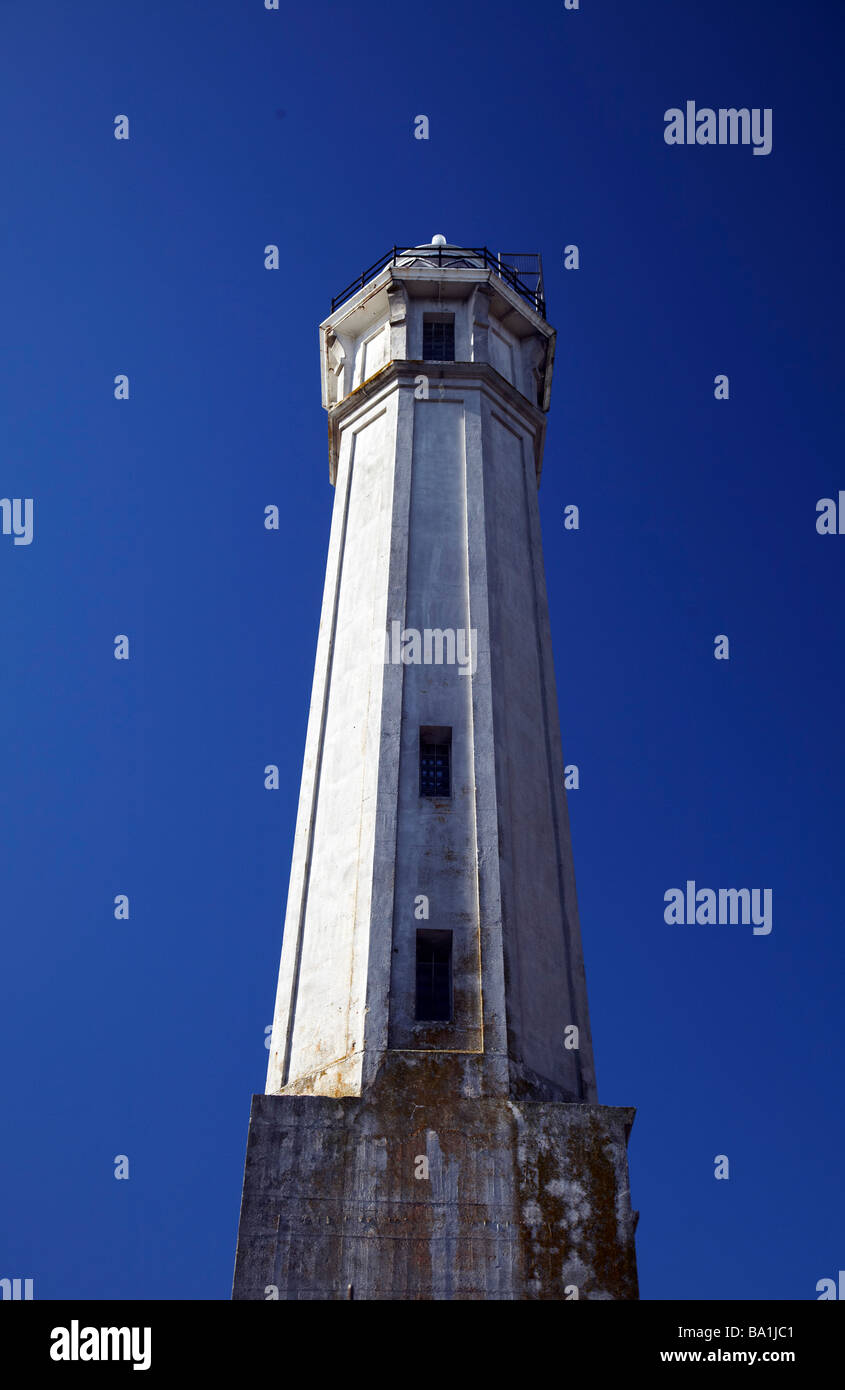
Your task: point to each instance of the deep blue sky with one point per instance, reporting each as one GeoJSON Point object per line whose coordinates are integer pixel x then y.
{"type": "Point", "coordinates": [146, 1037]}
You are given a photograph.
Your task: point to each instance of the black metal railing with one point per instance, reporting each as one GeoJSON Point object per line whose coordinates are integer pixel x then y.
{"type": "Point", "coordinates": [528, 264]}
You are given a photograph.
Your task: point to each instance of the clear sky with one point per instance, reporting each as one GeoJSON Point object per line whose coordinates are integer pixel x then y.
{"type": "Point", "coordinates": [698, 517]}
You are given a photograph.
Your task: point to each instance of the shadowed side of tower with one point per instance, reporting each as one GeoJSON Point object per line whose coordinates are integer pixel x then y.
{"type": "Point", "coordinates": [431, 1126]}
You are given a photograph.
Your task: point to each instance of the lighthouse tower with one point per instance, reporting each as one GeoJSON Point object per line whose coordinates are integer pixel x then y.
{"type": "Point", "coordinates": [431, 1126]}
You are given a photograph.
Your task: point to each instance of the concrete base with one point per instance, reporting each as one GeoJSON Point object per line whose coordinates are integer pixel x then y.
{"type": "Point", "coordinates": [522, 1200]}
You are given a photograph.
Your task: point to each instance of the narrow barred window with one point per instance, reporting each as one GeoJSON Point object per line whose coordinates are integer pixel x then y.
{"type": "Point", "coordinates": [434, 976]}
{"type": "Point", "coordinates": [439, 338]}
{"type": "Point", "coordinates": [435, 762]}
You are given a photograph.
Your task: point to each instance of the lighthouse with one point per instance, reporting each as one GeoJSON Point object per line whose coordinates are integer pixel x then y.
{"type": "Point", "coordinates": [430, 1127]}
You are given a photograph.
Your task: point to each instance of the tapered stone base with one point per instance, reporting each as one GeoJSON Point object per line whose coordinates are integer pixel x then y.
{"type": "Point", "coordinates": [522, 1200]}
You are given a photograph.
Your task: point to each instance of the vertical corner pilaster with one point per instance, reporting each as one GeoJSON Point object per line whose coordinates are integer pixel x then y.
{"type": "Point", "coordinates": [480, 324]}
{"type": "Point", "coordinates": [397, 321]}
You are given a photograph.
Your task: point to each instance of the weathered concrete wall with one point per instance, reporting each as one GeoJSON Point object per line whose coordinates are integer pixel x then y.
{"type": "Point", "coordinates": [435, 843]}
{"type": "Point", "coordinates": [318, 1033]}
{"type": "Point", "coordinates": [522, 1200]}
{"type": "Point", "coordinates": [545, 985]}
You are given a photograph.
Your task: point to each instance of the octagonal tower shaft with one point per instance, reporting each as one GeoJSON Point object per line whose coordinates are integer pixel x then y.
{"type": "Point", "coordinates": [436, 378]}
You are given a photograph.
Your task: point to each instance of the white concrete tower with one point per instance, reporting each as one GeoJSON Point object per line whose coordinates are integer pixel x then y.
{"type": "Point", "coordinates": [431, 999]}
